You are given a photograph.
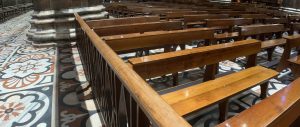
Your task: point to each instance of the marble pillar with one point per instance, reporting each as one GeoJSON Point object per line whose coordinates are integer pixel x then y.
{"type": "Point", "coordinates": [53, 20]}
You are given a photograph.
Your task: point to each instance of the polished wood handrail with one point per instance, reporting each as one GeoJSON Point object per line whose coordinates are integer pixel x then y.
{"type": "Point", "coordinates": [156, 109]}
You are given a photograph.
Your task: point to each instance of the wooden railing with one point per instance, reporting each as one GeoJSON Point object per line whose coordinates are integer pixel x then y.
{"type": "Point", "coordinates": [125, 98]}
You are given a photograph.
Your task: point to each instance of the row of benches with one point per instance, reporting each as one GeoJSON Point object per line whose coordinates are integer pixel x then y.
{"type": "Point", "coordinates": [212, 24]}
{"type": "Point", "coordinates": [11, 11]}
{"type": "Point", "coordinates": [125, 35]}
{"type": "Point", "coordinates": [125, 9]}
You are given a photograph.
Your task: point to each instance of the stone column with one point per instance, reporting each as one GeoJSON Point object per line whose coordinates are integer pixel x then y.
{"type": "Point", "coordinates": [53, 20]}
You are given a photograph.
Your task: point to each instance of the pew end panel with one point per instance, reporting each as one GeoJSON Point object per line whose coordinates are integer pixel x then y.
{"type": "Point", "coordinates": [291, 42]}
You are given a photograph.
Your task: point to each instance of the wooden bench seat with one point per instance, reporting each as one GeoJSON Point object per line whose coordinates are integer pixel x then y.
{"type": "Point", "coordinates": [199, 96]}
{"type": "Point", "coordinates": [138, 28]}
{"type": "Point", "coordinates": [279, 110]}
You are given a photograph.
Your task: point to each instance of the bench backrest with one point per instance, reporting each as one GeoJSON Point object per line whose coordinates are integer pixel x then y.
{"type": "Point", "coordinates": [260, 29]}
{"type": "Point", "coordinates": [202, 17]}
{"type": "Point", "coordinates": [279, 110]}
{"type": "Point", "coordinates": [121, 21]}
{"type": "Point", "coordinates": [228, 22]}
{"type": "Point", "coordinates": [138, 28]}
{"type": "Point", "coordinates": [166, 63]}
{"type": "Point", "coordinates": [134, 42]}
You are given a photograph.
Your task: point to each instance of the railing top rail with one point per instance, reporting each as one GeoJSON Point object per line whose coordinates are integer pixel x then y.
{"type": "Point", "coordinates": [157, 110]}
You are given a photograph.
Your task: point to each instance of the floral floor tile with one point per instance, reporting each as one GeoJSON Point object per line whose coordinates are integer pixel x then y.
{"type": "Point", "coordinates": [30, 107]}
{"type": "Point", "coordinates": [27, 70]}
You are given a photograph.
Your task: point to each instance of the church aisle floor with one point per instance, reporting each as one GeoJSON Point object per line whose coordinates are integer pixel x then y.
{"type": "Point", "coordinates": [27, 77]}
{"type": "Point", "coordinates": [37, 85]}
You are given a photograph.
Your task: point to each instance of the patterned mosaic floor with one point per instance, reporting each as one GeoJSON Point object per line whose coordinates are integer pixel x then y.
{"type": "Point", "coordinates": [73, 112]}
{"type": "Point", "coordinates": [27, 77]}
{"type": "Point", "coordinates": [38, 85]}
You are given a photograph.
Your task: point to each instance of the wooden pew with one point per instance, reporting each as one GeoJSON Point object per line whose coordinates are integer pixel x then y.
{"type": "Point", "coordinates": [292, 42]}
{"type": "Point", "coordinates": [158, 39]}
{"type": "Point", "coordinates": [122, 21]}
{"type": "Point", "coordinates": [227, 25]}
{"type": "Point", "coordinates": [149, 66]}
{"type": "Point", "coordinates": [279, 110]}
{"type": "Point", "coordinates": [196, 97]}
{"type": "Point", "coordinates": [192, 20]}
{"type": "Point", "coordinates": [263, 31]}
{"type": "Point", "coordinates": [138, 28]}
